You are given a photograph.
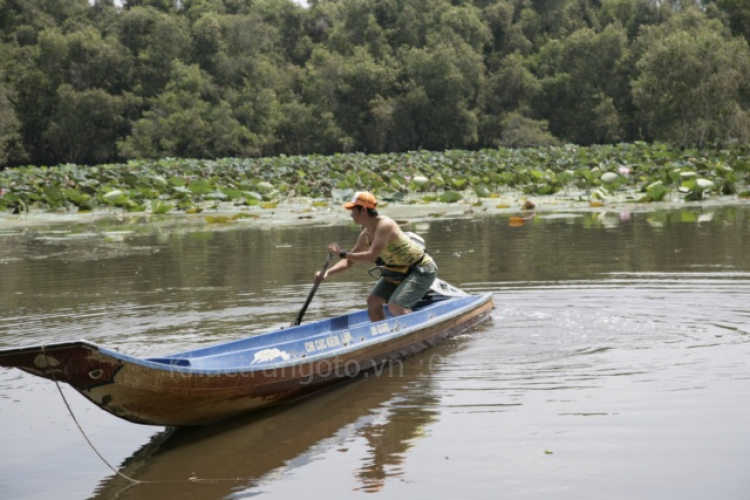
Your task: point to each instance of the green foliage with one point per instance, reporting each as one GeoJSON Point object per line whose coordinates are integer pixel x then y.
{"type": "Point", "coordinates": [692, 82]}
{"type": "Point", "coordinates": [97, 83]}
{"type": "Point", "coordinates": [164, 185]}
{"type": "Point", "coordinates": [738, 13]}
{"type": "Point", "coordinates": [522, 132]}
{"type": "Point", "coordinates": [84, 125]}
{"type": "Point", "coordinates": [10, 137]}
{"type": "Point", "coordinates": [585, 85]}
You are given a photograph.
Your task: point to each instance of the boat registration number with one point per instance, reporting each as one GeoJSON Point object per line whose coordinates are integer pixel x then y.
{"type": "Point", "coordinates": [328, 342]}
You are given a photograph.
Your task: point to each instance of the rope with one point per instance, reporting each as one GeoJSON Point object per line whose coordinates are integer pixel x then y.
{"type": "Point", "coordinates": [132, 481]}
{"type": "Point", "coordinates": [51, 373]}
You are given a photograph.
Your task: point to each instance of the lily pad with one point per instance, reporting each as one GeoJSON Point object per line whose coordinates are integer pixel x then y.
{"type": "Point", "coordinates": [450, 197]}
{"type": "Point", "coordinates": [610, 177]}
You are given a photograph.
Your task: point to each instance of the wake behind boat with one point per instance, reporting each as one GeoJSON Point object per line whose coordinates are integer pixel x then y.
{"type": "Point", "coordinates": [206, 385]}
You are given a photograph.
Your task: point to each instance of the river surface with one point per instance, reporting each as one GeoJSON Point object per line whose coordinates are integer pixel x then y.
{"type": "Point", "coordinates": [616, 364]}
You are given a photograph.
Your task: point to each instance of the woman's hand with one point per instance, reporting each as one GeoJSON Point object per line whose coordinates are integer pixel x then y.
{"type": "Point", "coordinates": [334, 248]}
{"type": "Point", "coordinates": [320, 277]}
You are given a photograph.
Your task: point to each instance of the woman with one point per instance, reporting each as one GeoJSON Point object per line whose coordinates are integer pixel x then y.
{"type": "Point", "coordinates": [407, 272]}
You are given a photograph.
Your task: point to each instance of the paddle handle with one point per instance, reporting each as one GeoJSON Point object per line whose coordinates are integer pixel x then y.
{"type": "Point", "coordinates": [318, 279]}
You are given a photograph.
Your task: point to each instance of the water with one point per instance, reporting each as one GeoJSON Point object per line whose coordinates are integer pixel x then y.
{"type": "Point", "coordinates": [615, 365]}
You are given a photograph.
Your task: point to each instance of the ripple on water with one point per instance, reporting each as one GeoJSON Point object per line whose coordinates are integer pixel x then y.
{"type": "Point", "coordinates": [575, 336]}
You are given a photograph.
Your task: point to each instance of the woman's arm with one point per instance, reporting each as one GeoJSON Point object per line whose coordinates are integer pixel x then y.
{"type": "Point", "coordinates": [344, 264]}
{"type": "Point", "coordinates": [363, 253]}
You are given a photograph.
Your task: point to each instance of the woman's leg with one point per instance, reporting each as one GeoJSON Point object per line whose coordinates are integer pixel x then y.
{"type": "Point", "coordinates": [379, 295]}
{"type": "Point", "coordinates": [412, 289]}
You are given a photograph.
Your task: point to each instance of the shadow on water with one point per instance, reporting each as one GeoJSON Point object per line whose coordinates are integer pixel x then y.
{"type": "Point", "coordinates": [383, 411]}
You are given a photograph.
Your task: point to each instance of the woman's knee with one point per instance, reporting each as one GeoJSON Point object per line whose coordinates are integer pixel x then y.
{"type": "Point", "coordinates": [398, 309]}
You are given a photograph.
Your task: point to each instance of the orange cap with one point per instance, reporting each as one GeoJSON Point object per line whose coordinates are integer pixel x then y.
{"type": "Point", "coordinates": [362, 199]}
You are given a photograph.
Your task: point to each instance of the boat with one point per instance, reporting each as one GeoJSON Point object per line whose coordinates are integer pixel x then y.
{"type": "Point", "coordinates": [214, 383]}
{"type": "Point", "coordinates": [388, 414]}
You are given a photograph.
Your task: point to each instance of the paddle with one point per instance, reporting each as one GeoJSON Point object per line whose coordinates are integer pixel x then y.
{"type": "Point", "coordinates": [318, 279]}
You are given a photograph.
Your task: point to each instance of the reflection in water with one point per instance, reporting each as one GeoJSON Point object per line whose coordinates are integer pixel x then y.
{"type": "Point", "coordinates": [387, 409]}
{"type": "Point", "coordinates": [389, 441]}
{"type": "Point", "coordinates": [619, 341]}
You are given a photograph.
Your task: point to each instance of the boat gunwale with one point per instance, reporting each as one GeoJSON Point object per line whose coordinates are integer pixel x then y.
{"type": "Point", "coordinates": [478, 301]}
{"type": "Point", "coordinates": [394, 332]}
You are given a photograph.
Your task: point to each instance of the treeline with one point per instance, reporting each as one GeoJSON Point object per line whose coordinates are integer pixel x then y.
{"type": "Point", "coordinates": [94, 82]}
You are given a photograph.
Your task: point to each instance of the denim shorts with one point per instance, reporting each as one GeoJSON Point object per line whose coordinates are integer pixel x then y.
{"type": "Point", "coordinates": [410, 290]}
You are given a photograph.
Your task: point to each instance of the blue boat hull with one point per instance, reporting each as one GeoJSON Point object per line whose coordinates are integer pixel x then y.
{"type": "Point", "coordinates": [218, 382]}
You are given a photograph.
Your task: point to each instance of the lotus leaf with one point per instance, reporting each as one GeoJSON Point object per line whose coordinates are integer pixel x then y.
{"type": "Point", "coordinates": [159, 207]}
{"type": "Point", "coordinates": [81, 200]}
{"type": "Point", "coordinates": [600, 193]}
{"type": "Point", "coordinates": [241, 215]}
{"type": "Point", "coordinates": [200, 187]}
{"type": "Point", "coordinates": [609, 177]}
{"type": "Point", "coordinates": [656, 191]}
{"type": "Point", "coordinates": [704, 184]}
{"type": "Point", "coordinates": [232, 194]}
{"type": "Point", "coordinates": [54, 196]}
{"type": "Point", "coordinates": [216, 219]}
{"type": "Point", "coordinates": [252, 195]}
{"type": "Point", "coordinates": [420, 180]}
{"type": "Point", "coordinates": [450, 197]}
{"type": "Point", "coordinates": [130, 179]}
{"type": "Point", "coordinates": [673, 176]}
{"type": "Point", "coordinates": [113, 196]}
{"type": "Point", "coordinates": [159, 180]}
{"type": "Point", "coordinates": [216, 195]}
{"type": "Point", "coordinates": [482, 191]}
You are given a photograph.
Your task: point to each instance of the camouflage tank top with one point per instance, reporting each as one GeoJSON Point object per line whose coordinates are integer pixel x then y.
{"type": "Point", "coordinates": [402, 253]}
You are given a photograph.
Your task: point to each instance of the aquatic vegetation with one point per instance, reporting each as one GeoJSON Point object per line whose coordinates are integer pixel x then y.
{"type": "Point", "coordinates": [651, 172]}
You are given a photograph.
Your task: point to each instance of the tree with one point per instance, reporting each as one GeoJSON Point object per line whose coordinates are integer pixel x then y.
{"type": "Point", "coordinates": [11, 149]}
{"type": "Point", "coordinates": [358, 26]}
{"type": "Point", "coordinates": [634, 14]}
{"type": "Point", "coordinates": [93, 62]}
{"type": "Point", "coordinates": [32, 86]}
{"type": "Point", "coordinates": [188, 121]}
{"type": "Point", "coordinates": [498, 17]}
{"type": "Point", "coordinates": [738, 12]}
{"type": "Point", "coordinates": [584, 83]}
{"type": "Point", "coordinates": [306, 129]}
{"type": "Point", "coordinates": [438, 108]}
{"type": "Point", "coordinates": [85, 125]}
{"type": "Point", "coordinates": [347, 86]}
{"type": "Point", "coordinates": [522, 132]}
{"type": "Point", "coordinates": [691, 82]}
{"type": "Point", "coordinates": [510, 89]}
{"type": "Point", "coordinates": [155, 39]}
